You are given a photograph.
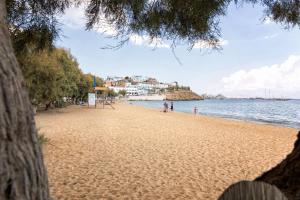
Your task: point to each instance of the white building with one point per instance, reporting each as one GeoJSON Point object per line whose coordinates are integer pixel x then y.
{"type": "Point", "coordinates": [116, 89]}
{"type": "Point", "coordinates": [173, 84]}
{"type": "Point", "coordinates": [138, 87]}
{"type": "Point", "coordinates": [138, 78]}
{"type": "Point", "coordinates": [145, 86]}
{"type": "Point", "coordinates": [114, 78]}
{"type": "Point", "coordinates": [130, 90]}
{"type": "Point", "coordinates": [162, 86]}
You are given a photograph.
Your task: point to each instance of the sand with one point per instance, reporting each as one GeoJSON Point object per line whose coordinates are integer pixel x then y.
{"type": "Point", "coordinates": [137, 153]}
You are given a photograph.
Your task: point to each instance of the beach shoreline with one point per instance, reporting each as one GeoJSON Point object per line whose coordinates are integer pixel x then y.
{"type": "Point", "coordinates": [134, 152]}
{"type": "Point", "coordinates": [255, 122]}
{"type": "Point", "coordinates": [278, 113]}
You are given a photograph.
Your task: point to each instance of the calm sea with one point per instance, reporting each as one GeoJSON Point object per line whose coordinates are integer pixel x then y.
{"type": "Point", "coordinates": [286, 113]}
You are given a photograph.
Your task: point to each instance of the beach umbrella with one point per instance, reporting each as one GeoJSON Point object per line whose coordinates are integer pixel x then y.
{"type": "Point", "coordinates": [95, 84]}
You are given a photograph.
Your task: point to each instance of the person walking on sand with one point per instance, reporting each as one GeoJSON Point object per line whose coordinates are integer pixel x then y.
{"type": "Point", "coordinates": [166, 106]}
{"type": "Point", "coordinates": [172, 107]}
{"type": "Point", "coordinates": [195, 110]}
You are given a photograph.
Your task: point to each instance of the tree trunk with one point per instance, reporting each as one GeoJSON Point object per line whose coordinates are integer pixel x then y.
{"type": "Point", "coordinates": [252, 190]}
{"type": "Point", "coordinates": [22, 172]}
{"type": "Point", "coordinates": [47, 106]}
{"type": "Point", "coordinates": [286, 175]}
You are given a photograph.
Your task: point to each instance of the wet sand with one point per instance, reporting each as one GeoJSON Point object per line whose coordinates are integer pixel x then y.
{"type": "Point", "coordinates": [139, 153]}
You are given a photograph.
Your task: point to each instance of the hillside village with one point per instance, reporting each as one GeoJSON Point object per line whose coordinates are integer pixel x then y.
{"type": "Point", "coordinates": [137, 85]}
{"type": "Point", "coordinates": [146, 86]}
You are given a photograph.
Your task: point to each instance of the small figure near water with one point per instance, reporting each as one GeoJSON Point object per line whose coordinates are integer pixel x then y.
{"type": "Point", "coordinates": [195, 110]}
{"type": "Point", "coordinates": [166, 106]}
{"type": "Point", "coordinates": [172, 106]}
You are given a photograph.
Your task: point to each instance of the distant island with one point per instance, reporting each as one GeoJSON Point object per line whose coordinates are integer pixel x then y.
{"type": "Point", "coordinates": [222, 97]}
{"type": "Point", "coordinates": [147, 88]}
{"type": "Point", "coordinates": [218, 96]}
{"type": "Point", "coordinates": [272, 99]}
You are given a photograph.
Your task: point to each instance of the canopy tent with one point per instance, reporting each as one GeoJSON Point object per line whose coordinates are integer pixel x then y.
{"type": "Point", "coordinates": [101, 88]}
{"type": "Point", "coordinates": [104, 100]}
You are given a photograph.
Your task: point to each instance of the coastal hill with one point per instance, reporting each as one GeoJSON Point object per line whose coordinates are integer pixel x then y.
{"type": "Point", "coordinates": [147, 88]}
{"type": "Point", "coordinates": [183, 95]}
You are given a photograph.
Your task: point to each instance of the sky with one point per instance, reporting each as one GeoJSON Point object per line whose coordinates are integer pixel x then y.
{"type": "Point", "coordinates": [259, 58]}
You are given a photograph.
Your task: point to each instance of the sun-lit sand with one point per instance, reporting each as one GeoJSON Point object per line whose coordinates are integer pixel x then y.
{"type": "Point", "coordinates": [137, 153]}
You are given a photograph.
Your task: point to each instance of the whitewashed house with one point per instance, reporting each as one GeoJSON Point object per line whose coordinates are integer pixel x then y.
{"type": "Point", "coordinates": [138, 79]}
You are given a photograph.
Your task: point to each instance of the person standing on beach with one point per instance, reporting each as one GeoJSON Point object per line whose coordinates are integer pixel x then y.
{"type": "Point", "coordinates": [172, 107]}
{"type": "Point", "coordinates": [166, 106]}
{"type": "Point", "coordinates": [195, 110]}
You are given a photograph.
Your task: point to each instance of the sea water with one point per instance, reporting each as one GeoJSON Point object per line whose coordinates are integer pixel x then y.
{"type": "Point", "coordinates": [286, 113]}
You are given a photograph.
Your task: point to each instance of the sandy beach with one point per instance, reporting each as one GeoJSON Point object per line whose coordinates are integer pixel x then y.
{"type": "Point", "coordinates": [138, 153]}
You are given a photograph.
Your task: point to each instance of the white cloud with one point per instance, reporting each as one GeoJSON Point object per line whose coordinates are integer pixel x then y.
{"type": "Point", "coordinates": [106, 28]}
{"type": "Point", "coordinates": [147, 41]}
{"type": "Point", "coordinates": [224, 42]}
{"type": "Point", "coordinates": [159, 43]}
{"type": "Point", "coordinates": [268, 20]}
{"type": "Point", "coordinates": [75, 18]}
{"type": "Point", "coordinates": [205, 45]}
{"type": "Point", "coordinates": [279, 80]}
{"type": "Point", "coordinates": [152, 1]}
{"type": "Point", "coordinates": [270, 36]}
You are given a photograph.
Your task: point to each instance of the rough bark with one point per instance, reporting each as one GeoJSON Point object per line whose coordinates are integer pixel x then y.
{"type": "Point", "coordinates": [286, 175]}
{"type": "Point", "coordinates": [252, 190]}
{"type": "Point", "coordinates": [22, 172]}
